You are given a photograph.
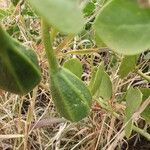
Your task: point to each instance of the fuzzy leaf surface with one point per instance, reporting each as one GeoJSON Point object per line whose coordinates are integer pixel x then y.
{"type": "Point", "coordinates": [123, 25]}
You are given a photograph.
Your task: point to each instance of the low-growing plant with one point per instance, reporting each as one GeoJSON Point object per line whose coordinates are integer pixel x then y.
{"type": "Point", "coordinates": [120, 27]}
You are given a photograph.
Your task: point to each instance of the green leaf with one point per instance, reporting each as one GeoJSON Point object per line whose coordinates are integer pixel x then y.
{"type": "Point", "coordinates": [97, 79]}
{"type": "Point", "coordinates": [64, 15]}
{"type": "Point", "coordinates": [145, 92]}
{"type": "Point", "coordinates": [124, 26]}
{"type": "Point", "coordinates": [100, 83]}
{"type": "Point", "coordinates": [128, 64]}
{"type": "Point", "coordinates": [89, 8]}
{"type": "Point", "coordinates": [105, 89]}
{"type": "Point", "coordinates": [146, 113]}
{"type": "Point", "coordinates": [19, 69]}
{"type": "Point", "coordinates": [99, 41]}
{"type": "Point", "coordinates": [133, 101]}
{"type": "Point", "coordinates": [71, 96]}
{"type": "Point", "coordinates": [15, 2]}
{"type": "Point", "coordinates": [93, 74]}
{"type": "Point", "coordinates": [74, 65]}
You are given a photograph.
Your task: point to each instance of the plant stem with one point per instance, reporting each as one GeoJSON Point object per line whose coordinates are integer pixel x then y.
{"type": "Point", "coordinates": [64, 43]}
{"type": "Point", "coordinates": [143, 75]}
{"type": "Point", "coordinates": [83, 51]}
{"type": "Point", "coordinates": [53, 64]}
{"type": "Point", "coordinates": [142, 132]}
{"type": "Point", "coordinates": [136, 129]}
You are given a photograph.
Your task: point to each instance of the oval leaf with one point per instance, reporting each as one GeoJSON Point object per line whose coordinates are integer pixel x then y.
{"type": "Point", "coordinates": [105, 89]}
{"type": "Point", "coordinates": [133, 101]}
{"type": "Point", "coordinates": [71, 96]}
{"type": "Point", "coordinates": [128, 64]}
{"type": "Point", "coordinates": [19, 69]}
{"type": "Point", "coordinates": [93, 74]}
{"type": "Point", "coordinates": [64, 15]}
{"type": "Point", "coordinates": [146, 113]}
{"type": "Point", "coordinates": [74, 65]}
{"type": "Point", "coordinates": [124, 26]}
{"type": "Point", "coordinates": [96, 79]}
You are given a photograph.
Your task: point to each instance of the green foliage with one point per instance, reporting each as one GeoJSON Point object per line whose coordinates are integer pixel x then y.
{"type": "Point", "coordinates": [89, 8]}
{"type": "Point", "coordinates": [100, 84]}
{"type": "Point", "coordinates": [74, 65]}
{"type": "Point", "coordinates": [128, 64]}
{"type": "Point", "coordinates": [93, 74]}
{"type": "Point", "coordinates": [124, 26]}
{"type": "Point", "coordinates": [19, 70]}
{"type": "Point", "coordinates": [96, 79]}
{"type": "Point", "coordinates": [121, 25]}
{"type": "Point", "coordinates": [15, 2]}
{"type": "Point", "coordinates": [146, 113]}
{"type": "Point", "coordinates": [99, 41]}
{"type": "Point", "coordinates": [105, 89]}
{"type": "Point", "coordinates": [63, 15]}
{"type": "Point", "coordinates": [71, 97]}
{"type": "Point", "coordinates": [133, 101]}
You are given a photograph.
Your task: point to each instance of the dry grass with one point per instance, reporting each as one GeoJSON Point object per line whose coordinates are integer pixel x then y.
{"type": "Point", "coordinates": [3, 3]}
{"type": "Point", "coordinates": [32, 123]}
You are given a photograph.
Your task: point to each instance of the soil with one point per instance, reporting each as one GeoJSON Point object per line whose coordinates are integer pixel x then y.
{"type": "Point", "coordinates": [134, 144]}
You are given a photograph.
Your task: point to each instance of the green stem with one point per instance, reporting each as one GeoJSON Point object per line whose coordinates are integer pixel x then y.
{"type": "Point", "coordinates": [53, 64]}
{"type": "Point", "coordinates": [136, 129]}
{"type": "Point", "coordinates": [143, 75]}
{"type": "Point", "coordinates": [142, 132]}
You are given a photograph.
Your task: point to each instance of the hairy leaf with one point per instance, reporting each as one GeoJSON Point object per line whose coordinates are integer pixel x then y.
{"type": "Point", "coordinates": [19, 69]}
{"type": "Point", "coordinates": [64, 15]}
{"type": "Point", "coordinates": [124, 26]}
{"type": "Point", "coordinates": [70, 95]}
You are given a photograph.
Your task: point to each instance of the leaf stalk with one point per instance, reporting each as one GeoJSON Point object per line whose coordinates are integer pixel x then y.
{"type": "Point", "coordinates": [53, 64]}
